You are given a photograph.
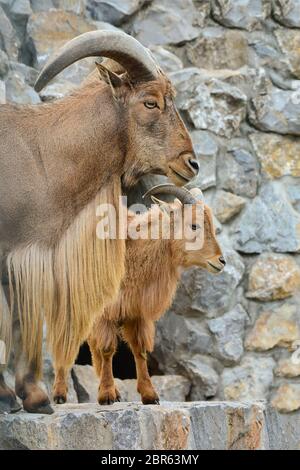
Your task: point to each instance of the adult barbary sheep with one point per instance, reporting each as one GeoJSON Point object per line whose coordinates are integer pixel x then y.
{"type": "Point", "coordinates": [153, 268]}
{"type": "Point", "coordinates": [58, 161]}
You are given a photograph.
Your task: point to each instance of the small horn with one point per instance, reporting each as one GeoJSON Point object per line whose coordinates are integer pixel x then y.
{"type": "Point", "coordinates": [197, 193]}
{"type": "Point", "coordinates": [119, 46]}
{"type": "Point", "coordinates": [182, 194]}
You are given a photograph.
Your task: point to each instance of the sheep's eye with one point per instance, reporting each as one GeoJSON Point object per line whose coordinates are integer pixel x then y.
{"type": "Point", "coordinates": [195, 226]}
{"type": "Point", "coordinates": [151, 104]}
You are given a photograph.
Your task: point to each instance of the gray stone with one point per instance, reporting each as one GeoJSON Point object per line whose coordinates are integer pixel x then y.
{"type": "Point", "coordinates": [269, 222]}
{"type": "Point", "coordinates": [6, 4]}
{"type": "Point", "coordinates": [287, 12]}
{"type": "Point", "coordinates": [168, 61]}
{"type": "Point", "coordinates": [20, 11]}
{"type": "Point", "coordinates": [75, 6]}
{"type": "Point", "coordinates": [245, 14]}
{"type": "Point", "coordinates": [250, 380]}
{"type": "Point", "coordinates": [8, 37]}
{"type": "Point", "coordinates": [41, 5]}
{"type": "Point", "coordinates": [114, 11]}
{"type": "Point", "coordinates": [277, 111]}
{"type": "Point", "coordinates": [2, 92]}
{"type": "Point", "coordinates": [119, 427]}
{"type": "Point", "coordinates": [293, 191]}
{"type": "Point", "coordinates": [229, 331]}
{"type": "Point", "coordinates": [203, 292]}
{"type": "Point", "coordinates": [57, 89]}
{"type": "Point", "coordinates": [237, 171]}
{"type": "Point", "coordinates": [219, 48]}
{"type": "Point", "coordinates": [49, 30]}
{"type": "Point", "coordinates": [86, 383]}
{"type": "Point", "coordinates": [206, 148]}
{"type": "Point", "coordinates": [168, 22]}
{"type": "Point", "coordinates": [17, 90]}
{"type": "Point", "coordinates": [177, 336]}
{"type": "Point", "coordinates": [192, 426]}
{"type": "Point", "coordinates": [168, 387]}
{"type": "Point", "coordinates": [204, 378]}
{"type": "Point", "coordinates": [289, 42]}
{"type": "Point", "coordinates": [4, 64]}
{"type": "Point", "coordinates": [28, 73]}
{"type": "Point", "coordinates": [274, 277]}
{"type": "Point", "coordinates": [226, 205]}
{"type": "Point", "coordinates": [278, 155]}
{"type": "Point", "coordinates": [210, 105]}
{"type": "Point", "coordinates": [102, 25]}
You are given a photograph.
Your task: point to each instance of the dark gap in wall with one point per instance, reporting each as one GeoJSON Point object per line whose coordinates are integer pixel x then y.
{"type": "Point", "coordinates": [123, 363]}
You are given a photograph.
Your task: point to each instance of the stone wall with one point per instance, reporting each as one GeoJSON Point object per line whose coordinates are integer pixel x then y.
{"type": "Point", "coordinates": [236, 68]}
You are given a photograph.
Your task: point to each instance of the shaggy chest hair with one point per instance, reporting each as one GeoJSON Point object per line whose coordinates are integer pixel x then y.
{"type": "Point", "coordinates": [147, 290]}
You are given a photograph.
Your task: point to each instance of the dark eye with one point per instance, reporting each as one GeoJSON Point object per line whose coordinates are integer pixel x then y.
{"type": "Point", "coordinates": [151, 104]}
{"type": "Point", "coordinates": [195, 226]}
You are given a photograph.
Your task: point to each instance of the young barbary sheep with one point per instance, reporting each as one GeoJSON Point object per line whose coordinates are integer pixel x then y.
{"type": "Point", "coordinates": [153, 268]}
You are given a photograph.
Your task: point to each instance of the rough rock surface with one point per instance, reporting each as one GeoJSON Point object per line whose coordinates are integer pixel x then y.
{"type": "Point", "coordinates": [273, 277]}
{"type": "Point", "coordinates": [287, 12]}
{"type": "Point", "coordinates": [277, 327]}
{"type": "Point", "coordinates": [194, 426]}
{"type": "Point", "coordinates": [237, 171]}
{"type": "Point", "coordinates": [226, 205]}
{"type": "Point", "coordinates": [246, 14]}
{"type": "Point", "coordinates": [278, 155]}
{"type": "Point", "coordinates": [168, 387]}
{"type": "Point", "coordinates": [168, 22]}
{"type": "Point", "coordinates": [269, 222]}
{"type": "Point", "coordinates": [249, 380]}
{"type": "Point", "coordinates": [287, 398]}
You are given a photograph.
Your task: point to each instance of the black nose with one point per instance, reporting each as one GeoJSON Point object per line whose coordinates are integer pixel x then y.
{"type": "Point", "coordinates": [194, 164]}
{"type": "Point", "coordinates": [222, 260]}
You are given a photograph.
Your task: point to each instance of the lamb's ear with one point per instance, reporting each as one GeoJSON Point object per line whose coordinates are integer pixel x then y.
{"type": "Point", "coordinates": [162, 204]}
{"type": "Point", "coordinates": [109, 77]}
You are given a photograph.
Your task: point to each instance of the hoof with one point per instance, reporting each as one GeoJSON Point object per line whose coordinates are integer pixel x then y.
{"type": "Point", "coordinates": [106, 401]}
{"type": "Point", "coordinates": [150, 401]}
{"type": "Point", "coordinates": [59, 400]}
{"type": "Point", "coordinates": [40, 408]}
{"type": "Point", "coordinates": [108, 398]}
{"type": "Point", "coordinates": [9, 405]}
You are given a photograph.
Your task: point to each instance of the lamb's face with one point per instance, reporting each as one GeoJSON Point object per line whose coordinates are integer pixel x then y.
{"type": "Point", "coordinates": [209, 254]}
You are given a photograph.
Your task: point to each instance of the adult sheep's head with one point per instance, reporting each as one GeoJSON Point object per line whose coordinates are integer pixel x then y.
{"type": "Point", "coordinates": [154, 137]}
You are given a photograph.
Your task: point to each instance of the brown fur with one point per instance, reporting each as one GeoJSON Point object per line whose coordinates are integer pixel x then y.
{"type": "Point", "coordinates": [152, 273]}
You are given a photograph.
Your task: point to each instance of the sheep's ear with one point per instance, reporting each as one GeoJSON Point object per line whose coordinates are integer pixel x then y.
{"type": "Point", "coordinates": [109, 77]}
{"type": "Point", "coordinates": [162, 204]}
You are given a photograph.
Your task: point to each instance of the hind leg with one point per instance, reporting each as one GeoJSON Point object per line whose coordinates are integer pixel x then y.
{"type": "Point", "coordinates": [34, 398]}
{"type": "Point", "coordinates": [8, 401]}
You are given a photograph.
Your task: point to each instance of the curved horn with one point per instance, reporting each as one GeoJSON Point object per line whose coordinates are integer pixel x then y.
{"type": "Point", "coordinates": [115, 45]}
{"type": "Point", "coordinates": [182, 194]}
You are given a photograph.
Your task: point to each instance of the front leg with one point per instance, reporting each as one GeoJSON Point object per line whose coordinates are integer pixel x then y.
{"type": "Point", "coordinates": [103, 344]}
{"type": "Point", "coordinates": [140, 336]}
